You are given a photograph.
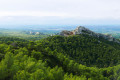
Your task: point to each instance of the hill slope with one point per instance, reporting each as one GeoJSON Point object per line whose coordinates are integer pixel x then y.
{"type": "Point", "coordinates": [77, 57]}
{"type": "Point", "coordinates": [85, 49]}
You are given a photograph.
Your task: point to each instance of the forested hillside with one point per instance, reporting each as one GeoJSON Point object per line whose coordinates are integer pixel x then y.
{"type": "Point", "coordinates": [78, 57]}
{"type": "Point", "coordinates": [86, 50]}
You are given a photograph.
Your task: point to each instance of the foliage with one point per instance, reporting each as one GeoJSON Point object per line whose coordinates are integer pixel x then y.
{"type": "Point", "coordinates": [80, 57]}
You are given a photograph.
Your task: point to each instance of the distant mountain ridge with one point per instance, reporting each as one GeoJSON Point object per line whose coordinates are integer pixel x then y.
{"type": "Point", "coordinates": [82, 30]}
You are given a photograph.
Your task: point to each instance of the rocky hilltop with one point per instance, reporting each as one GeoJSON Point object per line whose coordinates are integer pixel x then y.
{"type": "Point", "coordinates": [83, 30]}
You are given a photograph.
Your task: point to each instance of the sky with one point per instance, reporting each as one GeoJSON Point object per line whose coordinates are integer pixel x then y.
{"type": "Point", "coordinates": [59, 12]}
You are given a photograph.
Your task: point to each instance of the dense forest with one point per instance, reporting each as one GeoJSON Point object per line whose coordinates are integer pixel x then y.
{"type": "Point", "coordinates": [78, 57]}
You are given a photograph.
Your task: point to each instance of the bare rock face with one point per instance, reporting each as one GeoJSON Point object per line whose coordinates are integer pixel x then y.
{"type": "Point", "coordinates": [82, 30]}
{"type": "Point", "coordinates": [37, 33]}
{"type": "Point", "coordinates": [66, 33]}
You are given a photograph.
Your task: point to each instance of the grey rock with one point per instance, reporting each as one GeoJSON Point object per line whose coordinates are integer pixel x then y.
{"type": "Point", "coordinates": [82, 30]}
{"type": "Point", "coordinates": [66, 33]}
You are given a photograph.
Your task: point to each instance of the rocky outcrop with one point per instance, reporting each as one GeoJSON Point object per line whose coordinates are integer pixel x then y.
{"type": "Point", "coordinates": [82, 30]}
{"type": "Point", "coordinates": [66, 33]}
{"type": "Point", "coordinates": [34, 33]}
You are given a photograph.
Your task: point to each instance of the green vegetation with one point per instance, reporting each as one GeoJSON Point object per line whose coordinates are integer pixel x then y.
{"type": "Point", "coordinates": [23, 34]}
{"type": "Point", "coordinates": [79, 57]}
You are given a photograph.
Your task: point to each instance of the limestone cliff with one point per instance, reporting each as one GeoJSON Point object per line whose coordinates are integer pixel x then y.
{"type": "Point", "coordinates": [83, 30]}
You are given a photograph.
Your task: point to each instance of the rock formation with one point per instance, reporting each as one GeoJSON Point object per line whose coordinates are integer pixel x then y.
{"type": "Point", "coordinates": [83, 30]}
{"type": "Point", "coordinates": [66, 33]}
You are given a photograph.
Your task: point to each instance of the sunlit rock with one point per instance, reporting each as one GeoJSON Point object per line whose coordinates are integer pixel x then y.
{"type": "Point", "coordinates": [82, 30]}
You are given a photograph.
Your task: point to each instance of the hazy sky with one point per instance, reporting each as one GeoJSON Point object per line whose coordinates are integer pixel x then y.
{"type": "Point", "coordinates": [59, 11]}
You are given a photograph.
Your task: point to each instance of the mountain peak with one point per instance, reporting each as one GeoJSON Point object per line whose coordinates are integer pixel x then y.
{"type": "Point", "coordinates": [82, 30]}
